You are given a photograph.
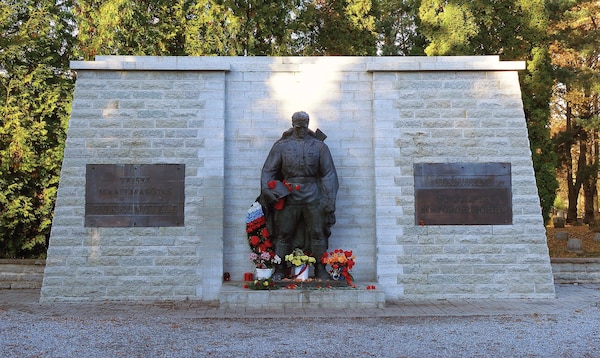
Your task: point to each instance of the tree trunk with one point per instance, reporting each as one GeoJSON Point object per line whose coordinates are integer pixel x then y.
{"type": "Point", "coordinates": [590, 188]}
{"type": "Point", "coordinates": [572, 186]}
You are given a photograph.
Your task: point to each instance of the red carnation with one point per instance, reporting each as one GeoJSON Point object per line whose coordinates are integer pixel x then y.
{"type": "Point", "coordinates": [264, 232]}
{"type": "Point", "coordinates": [268, 243]}
{"type": "Point", "coordinates": [279, 204]}
{"type": "Point", "coordinates": [272, 184]}
{"type": "Point", "coordinates": [254, 240]}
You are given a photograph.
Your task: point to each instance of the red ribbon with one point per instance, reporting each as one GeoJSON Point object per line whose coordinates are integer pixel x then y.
{"type": "Point", "coordinates": [304, 267]}
{"type": "Point", "coordinates": [348, 277]}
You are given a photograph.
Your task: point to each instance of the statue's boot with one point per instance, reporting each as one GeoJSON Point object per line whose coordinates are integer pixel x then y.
{"type": "Point", "coordinates": [279, 273]}
{"type": "Point", "coordinates": [281, 249]}
{"type": "Point", "coordinates": [320, 269]}
{"type": "Point", "coordinates": [321, 272]}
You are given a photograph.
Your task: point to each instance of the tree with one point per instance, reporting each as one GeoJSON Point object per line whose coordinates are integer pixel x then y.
{"type": "Point", "coordinates": [267, 28]}
{"type": "Point", "coordinates": [449, 26]}
{"type": "Point", "coordinates": [516, 30]}
{"type": "Point", "coordinates": [575, 52]}
{"type": "Point", "coordinates": [397, 28]}
{"type": "Point", "coordinates": [36, 87]}
{"type": "Point", "coordinates": [342, 27]}
{"type": "Point", "coordinates": [536, 85]}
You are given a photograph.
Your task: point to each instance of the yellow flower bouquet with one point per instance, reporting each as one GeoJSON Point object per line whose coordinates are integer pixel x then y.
{"type": "Point", "coordinates": [299, 258]}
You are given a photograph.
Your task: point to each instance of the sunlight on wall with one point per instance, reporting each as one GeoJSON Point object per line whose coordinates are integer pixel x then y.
{"type": "Point", "coordinates": [314, 88]}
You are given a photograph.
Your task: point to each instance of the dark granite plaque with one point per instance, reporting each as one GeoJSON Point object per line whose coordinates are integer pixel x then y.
{"type": "Point", "coordinates": [463, 194]}
{"type": "Point", "coordinates": [126, 195]}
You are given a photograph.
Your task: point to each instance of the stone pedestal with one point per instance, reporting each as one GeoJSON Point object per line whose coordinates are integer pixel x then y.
{"type": "Point", "coordinates": [234, 296]}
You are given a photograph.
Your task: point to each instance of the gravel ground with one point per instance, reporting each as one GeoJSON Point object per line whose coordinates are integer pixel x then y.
{"type": "Point", "coordinates": [577, 334]}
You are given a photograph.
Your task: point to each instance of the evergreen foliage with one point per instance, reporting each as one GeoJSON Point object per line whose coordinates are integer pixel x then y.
{"type": "Point", "coordinates": [536, 85]}
{"type": "Point", "coordinates": [36, 90]}
{"type": "Point", "coordinates": [398, 28]}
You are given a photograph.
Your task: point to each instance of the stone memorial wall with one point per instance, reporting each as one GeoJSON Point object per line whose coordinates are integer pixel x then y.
{"type": "Point", "coordinates": [389, 121]}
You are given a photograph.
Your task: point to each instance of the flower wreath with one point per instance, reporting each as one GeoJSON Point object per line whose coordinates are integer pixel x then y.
{"type": "Point", "coordinates": [259, 237]}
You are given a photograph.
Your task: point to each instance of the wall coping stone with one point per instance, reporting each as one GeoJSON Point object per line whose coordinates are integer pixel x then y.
{"type": "Point", "coordinates": [223, 63]}
{"type": "Point", "coordinates": [151, 63]}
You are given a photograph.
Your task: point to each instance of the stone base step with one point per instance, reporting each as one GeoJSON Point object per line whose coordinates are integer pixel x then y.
{"type": "Point", "coordinates": [233, 296]}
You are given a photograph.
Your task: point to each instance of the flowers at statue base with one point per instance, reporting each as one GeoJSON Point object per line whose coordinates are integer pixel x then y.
{"type": "Point", "coordinates": [265, 260]}
{"type": "Point", "coordinates": [299, 258]}
{"type": "Point", "coordinates": [341, 263]}
{"type": "Point", "coordinates": [259, 238]}
{"type": "Point", "coordinates": [265, 284]}
{"type": "Point", "coordinates": [302, 261]}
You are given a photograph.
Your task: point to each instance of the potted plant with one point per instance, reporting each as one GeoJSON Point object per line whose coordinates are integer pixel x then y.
{"type": "Point", "coordinates": [301, 262]}
{"type": "Point", "coordinates": [341, 263]}
{"type": "Point", "coordinates": [264, 262]}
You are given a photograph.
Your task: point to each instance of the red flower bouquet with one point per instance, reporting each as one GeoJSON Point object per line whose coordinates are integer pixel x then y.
{"type": "Point", "coordinates": [341, 263]}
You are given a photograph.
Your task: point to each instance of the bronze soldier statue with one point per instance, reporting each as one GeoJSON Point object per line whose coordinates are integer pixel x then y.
{"type": "Point", "coordinates": [299, 186]}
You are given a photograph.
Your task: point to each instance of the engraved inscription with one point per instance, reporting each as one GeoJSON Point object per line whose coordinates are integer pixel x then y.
{"type": "Point", "coordinates": [121, 195]}
{"type": "Point", "coordinates": [463, 194]}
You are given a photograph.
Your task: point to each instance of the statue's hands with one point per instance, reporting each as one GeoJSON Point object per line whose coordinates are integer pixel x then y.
{"type": "Point", "coordinates": [271, 196]}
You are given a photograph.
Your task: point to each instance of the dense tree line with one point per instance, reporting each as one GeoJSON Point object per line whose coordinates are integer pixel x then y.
{"type": "Point", "coordinates": [39, 37]}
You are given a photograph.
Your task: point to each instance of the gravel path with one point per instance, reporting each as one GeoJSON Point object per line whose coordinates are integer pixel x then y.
{"type": "Point", "coordinates": [577, 334]}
